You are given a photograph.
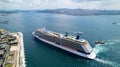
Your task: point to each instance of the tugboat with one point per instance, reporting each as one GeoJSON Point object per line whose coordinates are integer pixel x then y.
{"type": "Point", "coordinates": [114, 23]}
{"type": "Point", "coordinates": [100, 42]}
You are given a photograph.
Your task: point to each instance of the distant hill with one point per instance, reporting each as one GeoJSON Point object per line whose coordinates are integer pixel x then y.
{"type": "Point", "coordinates": [82, 12]}
{"type": "Point", "coordinates": [76, 12]}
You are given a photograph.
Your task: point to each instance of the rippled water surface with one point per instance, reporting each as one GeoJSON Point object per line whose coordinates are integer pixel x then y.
{"type": "Point", "coordinates": [39, 54]}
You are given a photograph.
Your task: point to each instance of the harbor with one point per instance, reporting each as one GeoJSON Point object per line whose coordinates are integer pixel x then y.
{"type": "Point", "coordinates": [39, 55]}
{"type": "Point", "coordinates": [11, 49]}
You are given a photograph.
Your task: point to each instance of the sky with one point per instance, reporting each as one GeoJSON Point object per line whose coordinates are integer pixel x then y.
{"type": "Point", "coordinates": [55, 4]}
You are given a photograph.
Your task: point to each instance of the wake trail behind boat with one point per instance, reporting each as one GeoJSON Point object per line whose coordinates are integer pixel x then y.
{"type": "Point", "coordinates": [113, 64]}
{"type": "Point", "coordinates": [101, 49]}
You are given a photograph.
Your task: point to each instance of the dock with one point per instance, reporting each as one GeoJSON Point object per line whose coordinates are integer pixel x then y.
{"type": "Point", "coordinates": [12, 50]}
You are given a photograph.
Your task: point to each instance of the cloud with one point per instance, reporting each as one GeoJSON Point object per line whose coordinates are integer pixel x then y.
{"type": "Point", "coordinates": [16, 0]}
{"type": "Point", "coordinates": [54, 4]}
{"type": "Point", "coordinates": [84, 0]}
{"type": "Point", "coordinates": [12, 1]}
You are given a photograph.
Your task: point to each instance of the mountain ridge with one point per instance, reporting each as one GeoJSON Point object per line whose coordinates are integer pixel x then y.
{"type": "Point", "coordinates": [66, 11]}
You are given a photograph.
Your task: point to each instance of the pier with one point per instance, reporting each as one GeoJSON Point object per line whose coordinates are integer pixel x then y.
{"type": "Point", "coordinates": [21, 50]}
{"type": "Point", "coordinates": [12, 50]}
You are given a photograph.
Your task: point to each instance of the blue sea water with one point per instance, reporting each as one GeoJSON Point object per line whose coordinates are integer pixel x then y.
{"type": "Point", "coordinates": [39, 54]}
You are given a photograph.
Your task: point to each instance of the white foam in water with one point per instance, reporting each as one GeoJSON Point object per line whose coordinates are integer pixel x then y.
{"type": "Point", "coordinates": [118, 23]}
{"type": "Point", "coordinates": [117, 40]}
{"type": "Point", "coordinates": [112, 41]}
{"type": "Point", "coordinates": [108, 62]}
{"type": "Point", "coordinates": [102, 48]}
{"type": "Point", "coordinates": [99, 48]}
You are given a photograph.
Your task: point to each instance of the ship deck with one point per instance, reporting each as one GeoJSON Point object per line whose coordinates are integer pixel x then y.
{"type": "Point", "coordinates": [70, 38]}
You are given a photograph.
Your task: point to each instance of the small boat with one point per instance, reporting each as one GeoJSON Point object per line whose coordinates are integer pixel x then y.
{"type": "Point", "coordinates": [4, 22]}
{"type": "Point", "coordinates": [114, 23]}
{"type": "Point", "coordinates": [99, 42]}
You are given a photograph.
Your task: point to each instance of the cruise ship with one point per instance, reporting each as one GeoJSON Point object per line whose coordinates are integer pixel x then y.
{"type": "Point", "coordinates": [72, 44]}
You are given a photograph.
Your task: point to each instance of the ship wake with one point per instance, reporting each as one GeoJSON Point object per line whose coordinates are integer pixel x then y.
{"type": "Point", "coordinates": [111, 63]}
{"type": "Point", "coordinates": [103, 48]}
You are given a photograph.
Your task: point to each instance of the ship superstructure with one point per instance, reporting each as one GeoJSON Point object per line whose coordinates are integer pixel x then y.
{"type": "Point", "coordinates": [75, 45]}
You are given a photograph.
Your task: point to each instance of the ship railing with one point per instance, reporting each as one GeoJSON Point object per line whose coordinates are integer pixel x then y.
{"type": "Point", "coordinates": [81, 41]}
{"type": "Point", "coordinates": [70, 38]}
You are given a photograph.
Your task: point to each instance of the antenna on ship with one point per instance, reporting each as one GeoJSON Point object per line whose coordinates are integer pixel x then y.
{"type": "Point", "coordinates": [77, 37]}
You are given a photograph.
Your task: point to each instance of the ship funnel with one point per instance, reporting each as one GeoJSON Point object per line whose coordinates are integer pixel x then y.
{"type": "Point", "coordinates": [66, 34]}
{"type": "Point", "coordinates": [78, 37]}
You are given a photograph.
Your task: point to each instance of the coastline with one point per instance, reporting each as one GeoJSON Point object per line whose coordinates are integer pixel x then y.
{"type": "Point", "coordinates": [11, 49]}
{"type": "Point", "coordinates": [22, 54]}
